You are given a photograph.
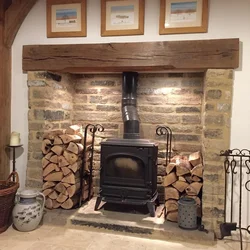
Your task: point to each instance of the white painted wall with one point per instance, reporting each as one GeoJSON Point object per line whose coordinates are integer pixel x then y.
{"type": "Point", "coordinates": [227, 19]}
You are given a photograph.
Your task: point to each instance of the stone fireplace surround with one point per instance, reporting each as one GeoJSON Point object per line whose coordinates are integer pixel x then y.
{"type": "Point", "coordinates": [197, 106]}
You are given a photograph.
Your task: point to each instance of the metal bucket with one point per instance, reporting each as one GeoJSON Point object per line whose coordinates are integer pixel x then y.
{"type": "Point", "coordinates": [187, 213]}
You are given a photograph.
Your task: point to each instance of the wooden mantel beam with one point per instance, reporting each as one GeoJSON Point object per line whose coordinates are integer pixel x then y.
{"type": "Point", "coordinates": [147, 56]}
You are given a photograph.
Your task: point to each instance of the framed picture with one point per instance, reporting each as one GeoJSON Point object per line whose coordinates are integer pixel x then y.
{"type": "Point", "coordinates": [183, 16]}
{"type": "Point", "coordinates": [122, 17]}
{"type": "Point", "coordinates": [66, 18]}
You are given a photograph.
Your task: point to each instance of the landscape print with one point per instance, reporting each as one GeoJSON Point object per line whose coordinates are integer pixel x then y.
{"type": "Point", "coordinates": [66, 18]}
{"type": "Point", "coordinates": [183, 12]}
{"type": "Point", "coordinates": [122, 15]}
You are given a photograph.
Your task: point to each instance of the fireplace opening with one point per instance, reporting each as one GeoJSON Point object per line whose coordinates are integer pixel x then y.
{"type": "Point", "coordinates": [129, 166]}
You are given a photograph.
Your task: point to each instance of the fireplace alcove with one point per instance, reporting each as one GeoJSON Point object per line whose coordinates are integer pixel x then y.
{"type": "Point", "coordinates": [215, 58]}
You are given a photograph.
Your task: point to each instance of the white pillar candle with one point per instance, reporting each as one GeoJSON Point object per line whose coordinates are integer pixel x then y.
{"type": "Point", "coordinates": [15, 139]}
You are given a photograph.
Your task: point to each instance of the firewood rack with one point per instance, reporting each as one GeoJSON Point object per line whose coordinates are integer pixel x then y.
{"type": "Point", "coordinates": [237, 171]}
{"type": "Point", "coordinates": [87, 174]}
{"type": "Point", "coordinates": [166, 132]}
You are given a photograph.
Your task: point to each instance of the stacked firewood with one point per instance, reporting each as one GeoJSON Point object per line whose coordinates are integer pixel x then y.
{"type": "Point", "coordinates": [184, 177]}
{"type": "Point", "coordinates": [62, 161]}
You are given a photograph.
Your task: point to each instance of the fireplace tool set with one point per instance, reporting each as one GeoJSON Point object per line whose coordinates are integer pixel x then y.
{"type": "Point", "coordinates": [237, 183]}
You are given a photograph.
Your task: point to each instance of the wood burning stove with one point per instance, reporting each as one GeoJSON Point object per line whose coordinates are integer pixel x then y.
{"type": "Point", "coordinates": [128, 172]}
{"type": "Point", "coordinates": [129, 166]}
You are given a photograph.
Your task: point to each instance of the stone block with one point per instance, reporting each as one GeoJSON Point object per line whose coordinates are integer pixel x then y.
{"type": "Point", "coordinates": [192, 82]}
{"type": "Point", "coordinates": [186, 137]}
{"type": "Point", "coordinates": [209, 107]}
{"type": "Point", "coordinates": [188, 110]}
{"type": "Point", "coordinates": [35, 146]}
{"type": "Point", "coordinates": [161, 170]}
{"type": "Point", "coordinates": [84, 107]}
{"type": "Point", "coordinates": [155, 109]}
{"type": "Point", "coordinates": [106, 83]}
{"type": "Point", "coordinates": [213, 94]}
{"type": "Point", "coordinates": [80, 98]}
{"type": "Point", "coordinates": [86, 91]}
{"type": "Point", "coordinates": [34, 173]}
{"type": "Point", "coordinates": [36, 83]}
{"type": "Point", "coordinates": [33, 183]}
{"type": "Point", "coordinates": [213, 133]}
{"type": "Point", "coordinates": [223, 107]}
{"type": "Point", "coordinates": [107, 108]}
{"type": "Point", "coordinates": [191, 119]}
{"type": "Point", "coordinates": [35, 126]}
{"type": "Point", "coordinates": [214, 120]}
{"type": "Point", "coordinates": [159, 119]}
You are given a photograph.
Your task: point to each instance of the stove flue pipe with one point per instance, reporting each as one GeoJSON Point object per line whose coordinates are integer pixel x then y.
{"type": "Point", "coordinates": [129, 111]}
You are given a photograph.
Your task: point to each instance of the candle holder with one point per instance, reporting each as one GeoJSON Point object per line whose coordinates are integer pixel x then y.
{"type": "Point", "coordinates": [13, 147]}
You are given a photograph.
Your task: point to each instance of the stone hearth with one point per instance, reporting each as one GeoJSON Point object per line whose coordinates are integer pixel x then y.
{"type": "Point", "coordinates": [196, 106]}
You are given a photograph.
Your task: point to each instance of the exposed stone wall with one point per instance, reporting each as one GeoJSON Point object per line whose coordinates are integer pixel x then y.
{"type": "Point", "coordinates": [50, 107]}
{"type": "Point", "coordinates": [173, 100]}
{"type": "Point", "coordinates": [216, 122]}
{"type": "Point", "coordinates": [197, 109]}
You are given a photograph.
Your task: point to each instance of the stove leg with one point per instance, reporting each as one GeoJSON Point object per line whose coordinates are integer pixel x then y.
{"type": "Point", "coordinates": [151, 208]}
{"type": "Point", "coordinates": [98, 202]}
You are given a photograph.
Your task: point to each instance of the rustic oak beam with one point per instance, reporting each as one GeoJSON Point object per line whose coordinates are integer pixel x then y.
{"type": "Point", "coordinates": [14, 17]}
{"type": "Point", "coordinates": [147, 56]}
{"type": "Point", "coordinates": [5, 87]}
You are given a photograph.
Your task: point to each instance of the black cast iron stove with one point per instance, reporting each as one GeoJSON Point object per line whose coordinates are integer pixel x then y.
{"type": "Point", "coordinates": [129, 166]}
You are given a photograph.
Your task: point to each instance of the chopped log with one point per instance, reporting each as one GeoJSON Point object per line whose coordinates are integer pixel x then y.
{"type": "Point", "coordinates": [54, 159]}
{"type": "Point", "coordinates": [73, 130]}
{"type": "Point", "coordinates": [70, 202]}
{"type": "Point", "coordinates": [172, 216]}
{"type": "Point", "coordinates": [58, 141]}
{"type": "Point", "coordinates": [70, 157]}
{"type": "Point", "coordinates": [170, 167]}
{"type": "Point", "coordinates": [181, 169]}
{"type": "Point", "coordinates": [61, 198]}
{"type": "Point", "coordinates": [75, 148]}
{"type": "Point", "coordinates": [45, 162]}
{"type": "Point", "coordinates": [193, 188]}
{"type": "Point", "coordinates": [58, 150]}
{"type": "Point", "coordinates": [55, 204]}
{"type": "Point", "coordinates": [171, 205]}
{"type": "Point", "coordinates": [71, 178]}
{"type": "Point", "coordinates": [198, 170]}
{"type": "Point", "coordinates": [55, 176]}
{"type": "Point", "coordinates": [57, 169]}
{"type": "Point", "coordinates": [48, 203]}
{"type": "Point", "coordinates": [180, 185]}
{"type": "Point", "coordinates": [196, 178]}
{"type": "Point", "coordinates": [66, 171]}
{"type": "Point", "coordinates": [169, 179]}
{"type": "Point", "coordinates": [196, 198]}
{"type": "Point", "coordinates": [181, 178]}
{"type": "Point", "coordinates": [75, 166]}
{"type": "Point", "coordinates": [48, 184]}
{"type": "Point", "coordinates": [49, 155]}
{"type": "Point", "coordinates": [53, 133]}
{"type": "Point", "coordinates": [62, 162]}
{"type": "Point", "coordinates": [171, 193]}
{"type": "Point", "coordinates": [195, 158]}
{"type": "Point", "coordinates": [73, 189]}
{"type": "Point", "coordinates": [70, 138]}
{"type": "Point", "coordinates": [53, 195]}
{"type": "Point", "coordinates": [50, 168]}
{"type": "Point", "coordinates": [65, 184]}
{"type": "Point", "coordinates": [188, 178]}
{"type": "Point", "coordinates": [60, 188]}
{"type": "Point", "coordinates": [48, 191]}
{"type": "Point", "coordinates": [46, 146]}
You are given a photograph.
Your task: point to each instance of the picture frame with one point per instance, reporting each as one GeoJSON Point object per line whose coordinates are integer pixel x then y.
{"type": "Point", "coordinates": [66, 18]}
{"type": "Point", "coordinates": [122, 17]}
{"type": "Point", "coordinates": [183, 16]}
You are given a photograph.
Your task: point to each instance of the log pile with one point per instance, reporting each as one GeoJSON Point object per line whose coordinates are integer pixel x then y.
{"type": "Point", "coordinates": [184, 177]}
{"type": "Point", "coordinates": [62, 161]}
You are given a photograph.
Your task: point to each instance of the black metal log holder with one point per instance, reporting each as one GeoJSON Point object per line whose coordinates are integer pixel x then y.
{"type": "Point", "coordinates": [91, 129]}
{"type": "Point", "coordinates": [166, 132]}
{"type": "Point", "coordinates": [236, 164]}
